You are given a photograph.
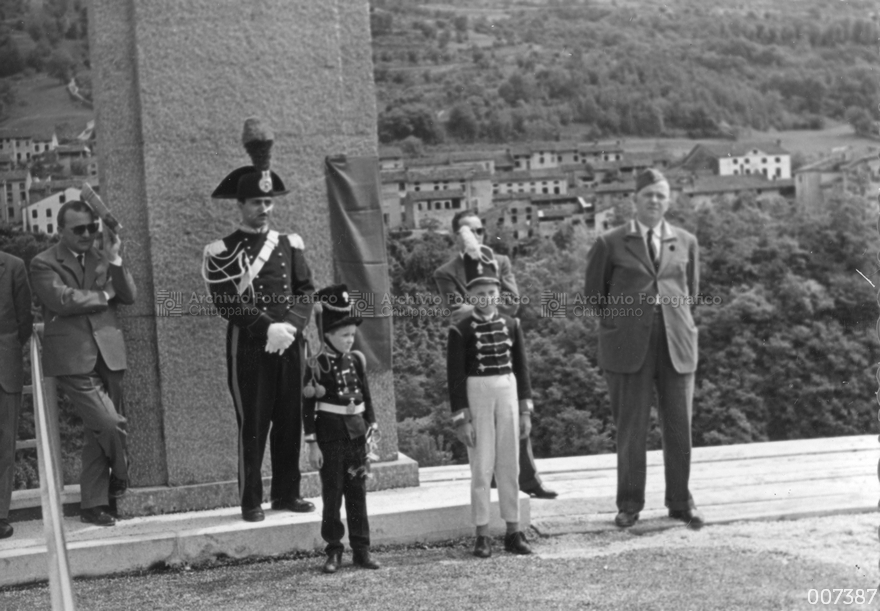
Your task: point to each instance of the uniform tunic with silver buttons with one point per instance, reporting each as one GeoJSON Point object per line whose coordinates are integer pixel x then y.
{"type": "Point", "coordinates": [266, 388]}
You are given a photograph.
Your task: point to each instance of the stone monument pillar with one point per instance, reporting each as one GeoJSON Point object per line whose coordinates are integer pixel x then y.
{"type": "Point", "coordinates": [174, 82]}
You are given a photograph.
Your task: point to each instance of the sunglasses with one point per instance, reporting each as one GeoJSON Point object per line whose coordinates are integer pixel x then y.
{"type": "Point", "coordinates": [92, 228]}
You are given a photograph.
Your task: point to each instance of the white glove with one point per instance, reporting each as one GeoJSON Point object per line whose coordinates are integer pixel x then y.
{"type": "Point", "coordinates": [281, 335]}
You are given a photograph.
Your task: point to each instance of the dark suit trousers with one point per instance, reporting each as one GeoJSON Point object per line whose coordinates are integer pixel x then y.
{"type": "Point", "coordinates": [266, 389]}
{"type": "Point", "coordinates": [10, 406]}
{"type": "Point", "coordinates": [632, 395]}
{"type": "Point", "coordinates": [97, 399]}
{"type": "Point", "coordinates": [336, 483]}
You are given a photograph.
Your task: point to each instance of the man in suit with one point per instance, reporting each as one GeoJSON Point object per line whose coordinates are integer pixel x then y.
{"type": "Point", "coordinates": [642, 277]}
{"type": "Point", "coordinates": [451, 283]}
{"type": "Point", "coordinates": [16, 323]}
{"type": "Point", "coordinates": [80, 287]}
{"type": "Point", "coordinates": [263, 287]}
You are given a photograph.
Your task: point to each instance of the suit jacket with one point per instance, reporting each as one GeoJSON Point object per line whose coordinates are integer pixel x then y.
{"type": "Point", "coordinates": [16, 320]}
{"type": "Point", "coordinates": [452, 282]}
{"type": "Point", "coordinates": [620, 284]}
{"type": "Point", "coordinates": [80, 322]}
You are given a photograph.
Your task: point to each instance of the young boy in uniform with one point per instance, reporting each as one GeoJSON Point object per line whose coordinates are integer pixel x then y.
{"type": "Point", "coordinates": [490, 394]}
{"type": "Point", "coordinates": [337, 414]}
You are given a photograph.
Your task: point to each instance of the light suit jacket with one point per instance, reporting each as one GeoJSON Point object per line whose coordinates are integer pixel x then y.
{"type": "Point", "coordinates": [622, 280]}
{"type": "Point", "coordinates": [451, 281]}
{"type": "Point", "coordinates": [80, 322]}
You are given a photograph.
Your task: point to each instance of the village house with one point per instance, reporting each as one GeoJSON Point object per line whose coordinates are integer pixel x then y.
{"type": "Point", "coordinates": [552, 181]}
{"type": "Point", "coordinates": [432, 209]}
{"type": "Point", "coordinates": [14, 188]}
{"type": "Point", "coordinates": [844, 172]}
{"type": "Point", "coordinates": [526, 215]}
{"type": "Point", "coordinates": [22, 146]}
{"type": "Point", "coordinates": [473, 181]}
{"type": "Point", "coordinates": [739, 159]}
{"type": "Point", "coordinates": [703, 190]}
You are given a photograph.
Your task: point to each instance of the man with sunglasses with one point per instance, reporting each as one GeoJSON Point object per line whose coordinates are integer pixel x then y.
{"type": "Point", "coordinates": [80, 287]}
{"type": "Point", "coordinates": [452, 284]}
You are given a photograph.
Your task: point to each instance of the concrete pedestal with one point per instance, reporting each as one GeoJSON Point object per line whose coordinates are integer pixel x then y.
{"type": "Point", "coordinates": [174, 82]}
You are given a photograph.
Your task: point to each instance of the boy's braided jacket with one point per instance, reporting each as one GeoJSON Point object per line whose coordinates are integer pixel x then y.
{"type": "Point", "coordinates": [479, 347]}
{"type": "Point", "coordinates": [344, 379]}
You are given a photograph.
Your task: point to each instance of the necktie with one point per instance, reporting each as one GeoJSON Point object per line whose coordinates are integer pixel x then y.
{"type": "Point", "coordinates": [82, 260]}
{"type": "Point", "coordinates": [651, 252]}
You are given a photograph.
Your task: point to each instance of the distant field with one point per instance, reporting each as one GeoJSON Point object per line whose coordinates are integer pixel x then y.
{"type": "Point", "coordinates": [43, 103]}
{"type": "Point", "coordinates": [812, 144]}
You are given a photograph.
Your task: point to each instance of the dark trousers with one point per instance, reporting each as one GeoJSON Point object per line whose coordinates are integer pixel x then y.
{"type": "Point", "coordinates": [528, 470]}
{"type": "Point", "coordinates": [97, 399]}
{"type": "Point", "coordinates": [266, 391]}
{"type": "Point", "coordinates": [10, 406]}
{"type": "Point", "coordinates": [632, 395]}
{"type": "Point", "coordinates": [340, 457]}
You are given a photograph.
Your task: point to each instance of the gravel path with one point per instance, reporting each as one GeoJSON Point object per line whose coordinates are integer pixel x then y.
{"type": "Point", "coordinates": [747, 565]}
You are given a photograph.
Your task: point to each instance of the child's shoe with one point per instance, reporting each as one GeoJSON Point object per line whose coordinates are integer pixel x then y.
{"type": "Point", "coordinates": [333, 562]}
{"type": "Point", "coordinates": [363, 559]}
{"type": "Point", "coordinates": [516, 543]}
{"type": "Point", "coordinates": [482, 548]}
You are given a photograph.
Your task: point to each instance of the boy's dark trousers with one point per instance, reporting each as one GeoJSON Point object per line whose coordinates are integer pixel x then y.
{"type": "Point", "coordinates": [336, 482]}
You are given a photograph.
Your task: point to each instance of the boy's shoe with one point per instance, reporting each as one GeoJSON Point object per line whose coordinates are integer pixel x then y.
{"type": "Point", "coordinates": [625, 519]}
{"type": "Point", "coordinates": [363, 559]}
{"type": "Point", "coordinates": [97, 516]}
{"type": "Point", "coordinates": [297, 505]}
{"type": "Point", "coordinates": [516, 543]}
{"type": "Point", "coordinates": [333, 562]}
{"type": "Point", "coordinates": [692, 517]}
{"type": "Point", "coordinates": [5, 529]}
{"type": "Point", "coordinates": [482, 547]}
{"type": "Point", "coordinates": [253, 515]}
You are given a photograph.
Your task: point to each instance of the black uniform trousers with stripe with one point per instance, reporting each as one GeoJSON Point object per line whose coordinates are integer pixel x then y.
{"type": "Point", "coordinates": [342, 476]}
{"type": "Point", "coordinates": [266, 389]}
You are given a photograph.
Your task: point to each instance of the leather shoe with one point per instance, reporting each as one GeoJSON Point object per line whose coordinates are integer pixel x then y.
{"type": "Point", "coordinates": [5, 529]}
{"type": "Point", "coordinates": [253, 515]}
{"type": "Point", "coordinates": [516, 543]}
{"type": "Point", "coordinates": [97, 516]}
{"type": "Point", "coordinates": [540, 492]}
{"type": "Point", "coordinates": [118, 487]}
{"type": "Point", "coordinates": [363, 559]}
{"type": "Point", "coordinates": [296, 505]}
{"type": "Point", "coordinates": [333, 562]}
{"type": "Point", "coordinates": [692, 517]}
{"type": "Point", "coordinates": [482, 547]}
{"type": "Point", "coordinates": [625, 520]}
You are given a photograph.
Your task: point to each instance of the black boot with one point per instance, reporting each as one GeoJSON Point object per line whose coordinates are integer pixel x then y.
{"type": "Point", "coordinates": [362, 558]}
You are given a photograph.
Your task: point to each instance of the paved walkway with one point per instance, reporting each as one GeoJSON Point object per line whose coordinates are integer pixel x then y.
{"type": "Point", "coordinates": [763, 481]}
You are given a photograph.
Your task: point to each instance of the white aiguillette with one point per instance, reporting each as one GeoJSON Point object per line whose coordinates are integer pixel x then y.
{"type": "Point", "coordinates": [89, 196]}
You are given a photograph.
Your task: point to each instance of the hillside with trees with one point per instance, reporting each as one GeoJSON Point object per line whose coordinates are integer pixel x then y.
{"type": "Point", "coordinates": [504, 71]}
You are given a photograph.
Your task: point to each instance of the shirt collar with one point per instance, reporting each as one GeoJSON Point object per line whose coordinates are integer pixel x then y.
{"type": "Point", "coordinates": [246, 229]}
{"type": "Point", "coordinates": [661, 229]}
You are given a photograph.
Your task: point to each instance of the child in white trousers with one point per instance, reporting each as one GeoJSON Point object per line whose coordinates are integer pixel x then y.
{"type": "Point", "coordinates": [490, 394]}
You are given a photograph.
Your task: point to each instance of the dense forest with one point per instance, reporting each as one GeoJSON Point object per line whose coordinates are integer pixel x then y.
{"type": "Point", "coordinates": [537, 71]}
{"type": "Point", "coordinates": [786, 352]}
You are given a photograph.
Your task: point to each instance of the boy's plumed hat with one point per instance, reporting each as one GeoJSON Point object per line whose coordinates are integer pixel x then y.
{"type": "Point", "coordinates": [482, 270]}
{"type": "Point", "coordinates": [257, 139]}
{"type": "Point", "coordinates": [334, 308]}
